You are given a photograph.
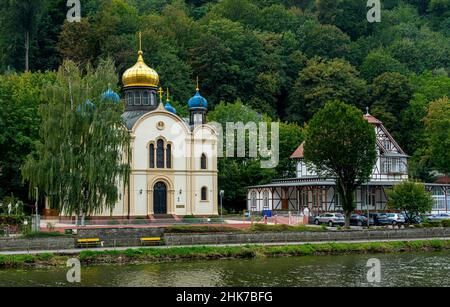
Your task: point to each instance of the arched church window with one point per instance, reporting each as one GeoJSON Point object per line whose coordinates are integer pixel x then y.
{"type": "Point", "coordinates": [153, 98]}
{"type": "Point", "coordinates": [203, 162]}
{"type": "Point", "coordinates": [129, 99]}
{"type": "Point", "coordinates": [152, 156]}
{"type": "Point", "coordinates": [160, 154]}
{"type": "Point", "coordinates": [137, 98]}
{"type": "Point", "coordinates": [169, 156]}
{"type": "Point", "coordinates": [146, 99]}
{"type": "Point", "coordinates": [204, 193]}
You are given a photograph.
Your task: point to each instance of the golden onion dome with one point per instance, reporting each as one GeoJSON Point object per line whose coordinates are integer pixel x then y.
{"type": "Point", "coordinates": [140, 74]}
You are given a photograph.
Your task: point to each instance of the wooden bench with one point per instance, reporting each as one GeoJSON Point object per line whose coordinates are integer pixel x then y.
{"type": "Point", "coordinates": [88, 242]}
{"type": "Point", "coordinates": [151, 241]}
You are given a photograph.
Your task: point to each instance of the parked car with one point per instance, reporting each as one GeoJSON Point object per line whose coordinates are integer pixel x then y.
{"type": "Point", "coordinates": [391, 219]}
{"type": "Point", "coordinates": [439, 217]}
{"type": "Point", "coordinates": [358, 220]}
{"type": "Point", "coordinates": [412, 219]}
{"type": "Point", "coordinates": [374, 218]}
{"type": "Point", "coordinates": [426, 217]}
{"type": "Point", "coordinates": [330, 218]}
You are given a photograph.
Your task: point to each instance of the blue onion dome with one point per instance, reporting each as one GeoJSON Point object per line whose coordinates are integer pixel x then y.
{"type": "Point", "coordinates": [86, 106]}
{"type": "Point", "coordinates": [169, 108]}
{"type": "Point", "coordinates": [198, 101]}
{"type": "Point", "coordinates": [111, 95]}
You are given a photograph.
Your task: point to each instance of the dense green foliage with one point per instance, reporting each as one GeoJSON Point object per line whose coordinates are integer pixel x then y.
{"type": "Point", "coordinates": [282, 58]}
{"type": "Point", "coordinates": [20, 98]}
{"type": "Point", "coordinates": [410, 197]}
{"type": "Point", "coordinates": [340, 143]}
{"type": "Point", "coordinates": [11, 219]}
{"type": "Point", "coordinates": [438, 130]}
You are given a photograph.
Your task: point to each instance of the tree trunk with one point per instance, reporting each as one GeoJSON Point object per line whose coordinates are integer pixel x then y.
{"type": "Point", "coordinates": [27, 51]}
{"type": "Point", "coordinates": [348, 214]}
{"type": "Point", "coordinates": [346, 193]}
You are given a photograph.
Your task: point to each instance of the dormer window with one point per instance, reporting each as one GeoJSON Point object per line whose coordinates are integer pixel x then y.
{"type": "Point", "coordinates": [387, 145]}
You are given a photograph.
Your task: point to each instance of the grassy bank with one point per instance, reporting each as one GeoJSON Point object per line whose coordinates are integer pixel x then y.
{"type": "Point", "coordinates": [253, 228]}
{"type": "Point", "coordinates": [148, 255]}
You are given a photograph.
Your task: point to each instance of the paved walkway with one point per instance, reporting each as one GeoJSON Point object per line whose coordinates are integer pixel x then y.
{"type": "Point", "coordinates": [77, 251]}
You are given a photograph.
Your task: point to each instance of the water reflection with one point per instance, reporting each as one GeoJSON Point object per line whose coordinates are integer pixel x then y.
{"type": "Point", "coordinates": [413, 269]}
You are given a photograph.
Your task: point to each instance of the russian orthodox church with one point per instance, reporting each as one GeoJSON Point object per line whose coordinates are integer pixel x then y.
{"type": "Point", "coordinates": [173, 159]}
{"type": "Point", "coordinates": [319, 194]}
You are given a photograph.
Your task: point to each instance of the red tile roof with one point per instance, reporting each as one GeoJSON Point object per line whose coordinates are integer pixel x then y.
{"type": "Point", "coordinates": [372, 119]}
{"type": "Point", "coordinates": [443, 180]}
{"type": "Point", "coordinates": [298, 153]}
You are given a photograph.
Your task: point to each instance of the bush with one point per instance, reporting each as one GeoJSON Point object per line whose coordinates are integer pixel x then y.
{"type": "Point", "coordinates": [431, 224]}
{"type": "Point", "coordinates": [200, 229]}
{"type": "Point", "coordinates": [38, 234]}
{"type": "Point", "coordinates": [283, 227]}
{"type": "Point", "coordinates": [11, 220]}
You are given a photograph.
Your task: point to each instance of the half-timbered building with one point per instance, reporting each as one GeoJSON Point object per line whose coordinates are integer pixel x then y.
{"type": "Point", "coordinates": [319, 194]}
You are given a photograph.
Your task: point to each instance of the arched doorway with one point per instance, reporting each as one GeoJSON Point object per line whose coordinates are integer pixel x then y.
{"type": "Point", "coordinates": [160, 198]}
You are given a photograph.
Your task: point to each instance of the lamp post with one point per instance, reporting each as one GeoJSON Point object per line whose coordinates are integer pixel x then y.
{"type": "Point", "coordinates": [36, 209]}
{"type": "Point", "coordinates": [222, 193]}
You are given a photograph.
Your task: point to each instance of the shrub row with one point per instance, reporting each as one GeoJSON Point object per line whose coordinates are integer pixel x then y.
{"type": "Point", "coordinates": [11, 220]}
{"type": "Point", "coordinates": [444, 223]}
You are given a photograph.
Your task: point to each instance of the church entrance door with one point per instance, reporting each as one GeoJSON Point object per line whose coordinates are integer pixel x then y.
{"type": "Point", "coordinates": [160, 198]}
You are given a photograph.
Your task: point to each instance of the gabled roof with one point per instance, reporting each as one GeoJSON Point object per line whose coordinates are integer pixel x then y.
{"type": "Point", "coordinates": [298, 153]}
{"type": "Point", "coordinates": [372, 120]}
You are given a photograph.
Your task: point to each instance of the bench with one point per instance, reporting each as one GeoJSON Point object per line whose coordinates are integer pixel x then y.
{"type": "Point", "coordinates": [88, 242]}
{"type": "Point", "coordinates": [151, 241]}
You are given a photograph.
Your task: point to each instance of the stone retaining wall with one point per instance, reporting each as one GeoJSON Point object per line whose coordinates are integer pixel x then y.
{"type": "Point", "coordinates": [120, 237]}
{"type": "Point", "coordinates": [272, 237]}
{"type": "Point", "coordinates": [51, 243]}
{"type": "Point", "coordinates": [131, 237]}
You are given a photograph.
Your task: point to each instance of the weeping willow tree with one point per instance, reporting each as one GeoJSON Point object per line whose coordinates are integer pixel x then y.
{"type": "Point", "coordinates": [83, 156]}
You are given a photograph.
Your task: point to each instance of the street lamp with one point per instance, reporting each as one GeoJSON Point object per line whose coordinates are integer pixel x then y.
{"type": "Point", "coordinates": [222, 193]}
{"type": "Point", "coordinates": [36, 209]}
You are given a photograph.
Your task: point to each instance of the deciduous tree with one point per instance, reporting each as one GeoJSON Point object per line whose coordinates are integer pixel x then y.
{"type": "Point", "coordinates": [340, 144]}
{"type": "Point", "coordinates": [437, 125]}
{"type": "Point", "coordinates": [80, 131]}
{"type": "Point", "coordinates": [411, 198]}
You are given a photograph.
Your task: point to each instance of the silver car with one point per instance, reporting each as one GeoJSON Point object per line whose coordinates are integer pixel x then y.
{"type": "Point", "coordinates": [330, 218]}
{"type": "Point", "coordinates": [439, 217]}
{"type": "Point", "coordinates": [391, 219]}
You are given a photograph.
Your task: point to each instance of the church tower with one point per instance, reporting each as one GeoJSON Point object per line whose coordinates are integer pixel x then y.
{"type": "Point", "coordinates": [198, 108]}
{"type": "Point", "coordinates": [140, 87]}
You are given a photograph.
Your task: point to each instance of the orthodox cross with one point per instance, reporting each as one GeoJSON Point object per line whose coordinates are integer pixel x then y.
{"type": "Point", "coordinates": [161, 92]}
{"type": "Point", "coordinates": [140, 41]}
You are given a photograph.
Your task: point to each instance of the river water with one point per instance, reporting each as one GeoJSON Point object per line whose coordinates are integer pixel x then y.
{"type": "Point", "coordinates": [408, 269]}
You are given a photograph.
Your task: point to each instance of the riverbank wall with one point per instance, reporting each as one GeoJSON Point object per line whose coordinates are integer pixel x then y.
{"type": "Point", "coordinates": [129, 237]}
{"type": "Point", "coordinates": [167, 254]}
{"type": "Point", "coordinates": [279, 237]}
{"type": "Point", "coordinates": [30, 244]}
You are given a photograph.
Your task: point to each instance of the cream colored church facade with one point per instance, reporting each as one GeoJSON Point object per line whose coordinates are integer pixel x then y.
{"type": "Point", "coordinates": [173, 159]}
{"type": "Point", "coordinates": [185, 183]}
